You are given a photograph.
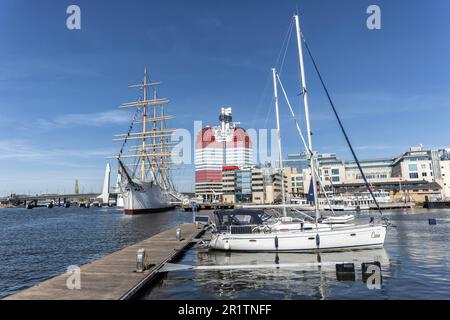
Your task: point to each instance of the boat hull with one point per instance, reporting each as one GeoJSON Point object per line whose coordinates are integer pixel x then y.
{"type": "Point", "coordinates": [352, 238]}
{"type": "Point", "coordinates": [145, 198]}
{"type": "Point", "coordinates": [133, 212]}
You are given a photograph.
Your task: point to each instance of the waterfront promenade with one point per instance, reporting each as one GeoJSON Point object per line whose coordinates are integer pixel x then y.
{"type": "Point", "coordinates": [114, 277]}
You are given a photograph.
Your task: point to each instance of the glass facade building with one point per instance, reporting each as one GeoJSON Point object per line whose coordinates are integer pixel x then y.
{"type": "Point", "coordinates": [244, 186]}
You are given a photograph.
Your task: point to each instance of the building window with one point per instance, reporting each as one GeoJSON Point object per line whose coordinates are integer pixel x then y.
{"type": "Point", "coordinates": [424, 174]}
{"type": "Point", "coordinates": [335, 179]}
{"type": "Point", "coordinates": [414, 175]}
{"type": "Point", "coordinates": [412, 167]}
{"type": "Point", "coordinates": [335, 171]}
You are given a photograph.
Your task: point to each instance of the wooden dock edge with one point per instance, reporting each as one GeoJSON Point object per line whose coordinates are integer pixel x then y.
{"type": "Point", "coordinates": [145, 283]}
{"type": "Point", "coordinates": [113, 276]}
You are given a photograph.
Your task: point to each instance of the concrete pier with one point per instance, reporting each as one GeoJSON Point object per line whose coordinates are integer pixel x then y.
{"type": "Point", "coordinates": [114, 277]}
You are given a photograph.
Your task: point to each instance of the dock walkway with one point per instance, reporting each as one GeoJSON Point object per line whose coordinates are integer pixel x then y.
{"type": "Point", "coordinates": [113, 277]}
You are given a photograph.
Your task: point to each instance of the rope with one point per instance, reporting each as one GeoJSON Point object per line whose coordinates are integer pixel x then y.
{"type": "Point", "coordinates": [282, 56]}
{"type": "Point", "coordinates": [304, 143]}
{"type": "Point", "coordinates": [340, 125]}
{"type": "Point", "coordinates": [138, 110]}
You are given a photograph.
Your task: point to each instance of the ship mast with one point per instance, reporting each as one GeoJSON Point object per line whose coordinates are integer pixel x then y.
{"type": "Point", "coordinates": [308, 127]}
{"type": "Point", "coordinates": [144, 128]}
{"type": "Point", "coordinates": [152, 145]}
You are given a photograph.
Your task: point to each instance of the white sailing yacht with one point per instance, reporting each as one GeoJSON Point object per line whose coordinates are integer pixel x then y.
{"type": "Point", "coordinates": [145, 185]}
{"type": "Point", "coordinates": [285, 234]}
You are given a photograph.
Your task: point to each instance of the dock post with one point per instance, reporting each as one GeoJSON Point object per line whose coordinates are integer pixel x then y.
{"type": "Point", "coordinates": [194, 211]}
{"type": "Point", "coordinates": [178, 232]}
{"type": "Point", "coordinates": [140, 260]}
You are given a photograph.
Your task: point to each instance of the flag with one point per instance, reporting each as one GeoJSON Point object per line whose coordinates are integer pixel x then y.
{"type": "Point", "coordinates": [310, 195]}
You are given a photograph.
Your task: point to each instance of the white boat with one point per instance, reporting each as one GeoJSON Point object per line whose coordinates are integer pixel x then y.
{"type": "Point", "coordinates": [323, 239]}
{"type": "Point", "coordinates": [357, 202]}
{"type": "Point", "coordinates": [258, 234]}
{"type": "Point", "coordinates": [141, 197]}
{"type": "Point", "coordinates": [145, 185]}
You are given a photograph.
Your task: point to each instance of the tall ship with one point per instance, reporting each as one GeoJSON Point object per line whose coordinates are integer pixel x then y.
{"type": "Point", "coordinates": [144, 160]}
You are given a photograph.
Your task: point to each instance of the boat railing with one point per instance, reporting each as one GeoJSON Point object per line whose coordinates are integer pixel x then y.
{"type": "Point", "coordinates": [242, 229]}
{"type": "Point", "coordinates": [258, 228]}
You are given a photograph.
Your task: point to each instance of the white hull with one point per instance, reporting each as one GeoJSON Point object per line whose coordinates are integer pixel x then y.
{"type": "Point", "coordinates": [146, 198]}
{"type": "Point", "coordinates": [329, 239]}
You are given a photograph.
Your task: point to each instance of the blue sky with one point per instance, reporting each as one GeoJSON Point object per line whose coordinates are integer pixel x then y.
{"type": "Point", "coordinates": [60, 89]}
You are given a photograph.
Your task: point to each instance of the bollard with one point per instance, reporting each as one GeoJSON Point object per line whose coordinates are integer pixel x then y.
{"type": "Point", "coordinates": [140, 260]}
{"type": "Point", "coordinates": [178, 234]}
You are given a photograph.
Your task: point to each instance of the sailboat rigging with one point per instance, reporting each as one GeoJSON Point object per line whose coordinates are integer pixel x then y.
{"type": "Point", "coordinates": [288, 234]}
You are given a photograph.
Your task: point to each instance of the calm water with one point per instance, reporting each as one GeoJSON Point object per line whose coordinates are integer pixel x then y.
{"type": "Point", "coordinates": [416, 265]}
{"type": "Point", "coordinates": [41, 243]}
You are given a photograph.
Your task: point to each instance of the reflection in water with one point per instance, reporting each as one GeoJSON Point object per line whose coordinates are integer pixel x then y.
{"type": "Point", "coordinates": [414, 263]}
{"type": "Point", "coordinates": [289, 268]}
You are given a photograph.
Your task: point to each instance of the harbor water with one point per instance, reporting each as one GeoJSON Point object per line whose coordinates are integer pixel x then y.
{"type": "Point", "coordinates": [38, 244]}
{"type": "Point", "coordinates": [416, 265]}
{"type": "Point", "coordinates": [41, 243]}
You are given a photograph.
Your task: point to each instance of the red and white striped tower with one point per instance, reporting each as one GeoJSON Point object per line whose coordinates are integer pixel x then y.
{"type": "Point", "coordinates": [218, 146]}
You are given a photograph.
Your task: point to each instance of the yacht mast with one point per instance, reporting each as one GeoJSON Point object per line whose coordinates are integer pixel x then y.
{"type": "Point", "coordinates": [305, 102]}
{"type": "Point", "coordinates": [280, 157]}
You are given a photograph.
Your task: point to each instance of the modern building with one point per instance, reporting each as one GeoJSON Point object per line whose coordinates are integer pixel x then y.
{"type": "Point", "coordinates": [243, 191]}
{"type": "Point", "coordinates": [229, 184]}
{"type": "Point", "coordinates": [400, 190]}
{"type": "Point", "coordinates": [294, 182]}
{"type": "Point", "coordinates": [416, 164]}
{"type": "Point", "coordinates": [218, 146]}
{"type": "Point", "coordinates": [266, 185]}
{"type": "Point", "coordinates": [444, 181]}
{"type": "Point", "coordinates": [376, 169]}
{"type": "Point", "coordinates": [297, 161]}
{"type": "Point", "coordinates": [331, 168]}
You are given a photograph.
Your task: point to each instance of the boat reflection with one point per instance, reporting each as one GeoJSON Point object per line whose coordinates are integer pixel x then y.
{"type": "Point", "coordinates": [294, 275]}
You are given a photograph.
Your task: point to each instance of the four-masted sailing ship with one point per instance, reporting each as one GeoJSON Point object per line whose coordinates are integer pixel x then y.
{"type": "Point", "coordinates": [145, 184]}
